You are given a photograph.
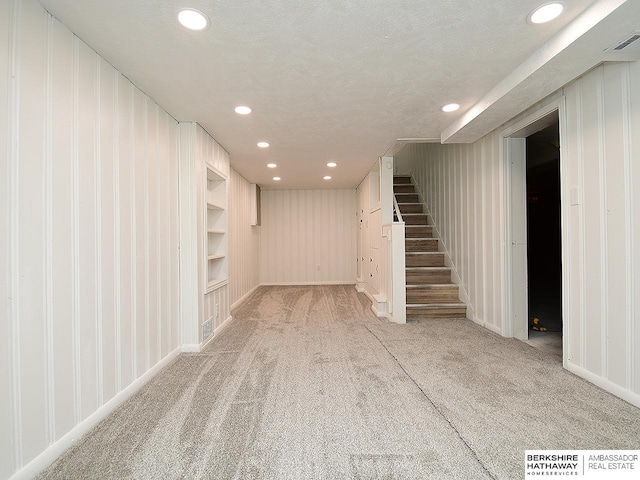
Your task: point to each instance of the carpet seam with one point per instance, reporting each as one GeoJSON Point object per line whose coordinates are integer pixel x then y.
{"type": "Point", "coordinates": [473, 452]}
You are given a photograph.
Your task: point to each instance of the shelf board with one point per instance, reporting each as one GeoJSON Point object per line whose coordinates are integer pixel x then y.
{"type": "Point", "coordinates": [221, 232]}
{"type": "Point", "coordinates": [214, 174]}
{"type": "Point", "coordinates": [213, 206]}
{"type": "Point", "coordinates": [214, 283]}
{"type": "Point", "coordinates": [215, 257]}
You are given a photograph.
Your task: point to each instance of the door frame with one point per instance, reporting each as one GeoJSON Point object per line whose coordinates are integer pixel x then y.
{"type": "Point", "coordinates": [514, 274]}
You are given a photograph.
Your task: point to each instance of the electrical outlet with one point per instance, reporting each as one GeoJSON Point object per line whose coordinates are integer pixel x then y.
{"type": "Point", "coordinates": [217, 311]}
{"type": "Point", "coordinates": [318, 267]}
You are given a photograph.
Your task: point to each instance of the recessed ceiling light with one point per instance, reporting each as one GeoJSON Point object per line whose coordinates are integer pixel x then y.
{"type": "Point", "coordinates": [545, 13]}
{"type": "Point", "coordinates": [271, 165]}
{"type": "Point", "coordinates": [193, 19]}
{"type": "Point", "coordinates": [332, 164]}
{"type": "Point", "coordinates": [277, 179]}
{"type": "Point", "coordinates": [326, 177]}
{"type": "Point", "coordinates": [263, 144]}
{"type": "Point", "coordinates": [452, 107]}
{"type": "Point", "coordinates": [243, 110]}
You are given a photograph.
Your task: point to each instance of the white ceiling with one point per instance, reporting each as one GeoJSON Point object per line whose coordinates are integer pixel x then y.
{"type": "Point", "coordinates": [331, 80]}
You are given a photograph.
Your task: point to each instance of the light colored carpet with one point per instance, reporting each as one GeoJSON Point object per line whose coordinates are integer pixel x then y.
{"type": "Point", "coordinates": [307, 384]}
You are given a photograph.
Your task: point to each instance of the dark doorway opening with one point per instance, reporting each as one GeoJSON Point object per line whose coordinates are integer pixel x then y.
{"type": "Point", "coordinates": [544, 241]}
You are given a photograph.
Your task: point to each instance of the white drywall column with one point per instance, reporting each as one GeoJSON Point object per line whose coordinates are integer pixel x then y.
{"type": "Point", "coordinates": [188, 236]}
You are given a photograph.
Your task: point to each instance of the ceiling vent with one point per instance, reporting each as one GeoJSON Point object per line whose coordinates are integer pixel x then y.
{"type": "Point", "coordinates": [625, 50]}
{"type": "Point", "coordinates": [627, 42]}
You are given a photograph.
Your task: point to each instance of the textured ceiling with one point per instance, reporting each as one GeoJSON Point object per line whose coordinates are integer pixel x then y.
{"type": "Point", "coordinates": [330, 80]}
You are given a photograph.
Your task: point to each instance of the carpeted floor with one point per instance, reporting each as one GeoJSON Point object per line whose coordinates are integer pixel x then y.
{"type": "Point", "coordinates": [307, 384]}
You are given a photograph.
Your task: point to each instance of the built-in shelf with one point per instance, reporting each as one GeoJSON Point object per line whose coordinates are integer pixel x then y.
{"type": "Point", "coordinates": [216, 283]}
{"type": "Point", "coordinates": [216, 229]}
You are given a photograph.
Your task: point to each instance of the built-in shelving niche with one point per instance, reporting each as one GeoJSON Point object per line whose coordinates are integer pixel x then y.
{"type": "Point", "coordinates": [216, 229]}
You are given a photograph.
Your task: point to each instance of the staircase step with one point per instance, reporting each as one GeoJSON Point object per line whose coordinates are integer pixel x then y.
{"type": "Point", "coordinates": [439, 310]}
{"type": "Point", "coordinates": [446, 293]}
{"type": "Point", "coordinates": [403, 189]}
{"type": "Point", "coordinates": [407, 197]}
{"type": "Point", "coordinates": [415, 219]}
{"type": "Point", "coordinates": [424, 259]}
{"type": "Point", "coordinates": [410, 208]}
{"type": "Point", "coordinates": [421, 245]}
{"type": "Point", "coordinates": [427, 275]}
{"type": "Point", "coordinates": [402, 179]}
{"type": "Point", "coordinates": [417, 231]}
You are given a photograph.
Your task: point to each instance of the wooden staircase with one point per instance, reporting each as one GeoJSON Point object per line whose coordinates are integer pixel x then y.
{"type": "Point", "coordinates": [430, 292]}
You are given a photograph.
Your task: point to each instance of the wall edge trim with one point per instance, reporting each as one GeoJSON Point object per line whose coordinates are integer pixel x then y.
{"type": "Point", "coordinates": [607, 385]}
{"type": "Point", "coordinates": [241, 300]}
{"type": "Point", "coordinates": [47, 457]}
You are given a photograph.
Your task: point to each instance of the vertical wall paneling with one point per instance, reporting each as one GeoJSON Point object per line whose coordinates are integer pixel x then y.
{"type": "Point", "coordinates": [106, 235]}
{"type": "Point", "coordinates": [126, 239]}
{"type": "Point", "coordinates": [211, 152]}
{"type": "Point", "coordinates": [86, 177]}
{"type": "Point", "coordinates": [151, 166]}
{"type": "Point", "coordinates": [117, 250]}
{"type": "Point", "coordinates": [307, 236]}
{"type": "Point", "coordinates": [244, 240]}
{"type": "Point", "coordinates": [8, 412]}
{"type": "Point", "coordinates": [198, 305]}
{"type": "Point", "coordinates": [602, 210]}
{"type": "Point", "coordinates": [140, 277]}
{"type": "Point", "coordinates": [377, 240]}
{"type": "Point", "coordinates": [592, 229]}
{"type": "Point", "coordinates": [97, 190]}
{"type": "Point", "coordinates": [600, 223]}
{"type": "Point", "coordinates": [573, 177]}
{"type": "Point", "coordinates": [48, 238]}
{"type": "Point", "coordinates": [614, 96]}
{"type": "Point", "coordinates": [32, 39]}
{"type": "Point", "coordinates": [86, 232]}
{"type": "Point", "coordinates": [188, 236]}
{"type": "Point", "coordinates": [634, 208]}
{"type": "Point", "coordinates": [628, 332]}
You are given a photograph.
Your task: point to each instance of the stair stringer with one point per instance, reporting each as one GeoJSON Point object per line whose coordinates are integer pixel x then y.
{"type": "Point", "coordinates": [455, 277]}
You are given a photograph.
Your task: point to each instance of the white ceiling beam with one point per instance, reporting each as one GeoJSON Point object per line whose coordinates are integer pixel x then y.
{"type": "Point", "coordinates": [570, 53]}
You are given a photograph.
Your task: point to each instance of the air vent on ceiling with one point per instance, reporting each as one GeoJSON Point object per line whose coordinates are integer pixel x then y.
{"type": "Point", "coordinates": [625, 43]}
{"type": "Point", "coordinates": [627, 49]}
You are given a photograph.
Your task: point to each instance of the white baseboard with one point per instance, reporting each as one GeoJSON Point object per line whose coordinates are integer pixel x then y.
{"type": "Point", "coordinates": [486, 325]}
{"type": "Point", "coordinates": [46, 458]}
{"type": "Point", "coordinates": [379, 305]}
{"type": "Point", "coordinates": [191, 348]}
{"type": "Point", "coordinates": [238, 302]}
{"type": "Point", "coordinates": [222, 326]}
{"type": "Point", "coordinates": [626, 395]}
{"type": "Point", "coordinates": [297, 284]}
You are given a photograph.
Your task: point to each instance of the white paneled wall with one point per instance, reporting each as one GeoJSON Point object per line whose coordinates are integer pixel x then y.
{"type": "Point", "coordinates": [308, 236]}
{"type": "Point", "coordinates": [463, 189]}
{"type": "Point", "coordinates": [89, 235]}
{"type": "Point", "coordinates": [8, 446]}
{"type": "Point", "coordinates": [244, 240]}
{"type": "Point", "coordinates": [209, 151]}
{"type": "Point", "coordinates": [603, 125]}
{"type": "Point", "coordinates": [198, 149]}
{"type": "Point", "coordinates": [372, 248]}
